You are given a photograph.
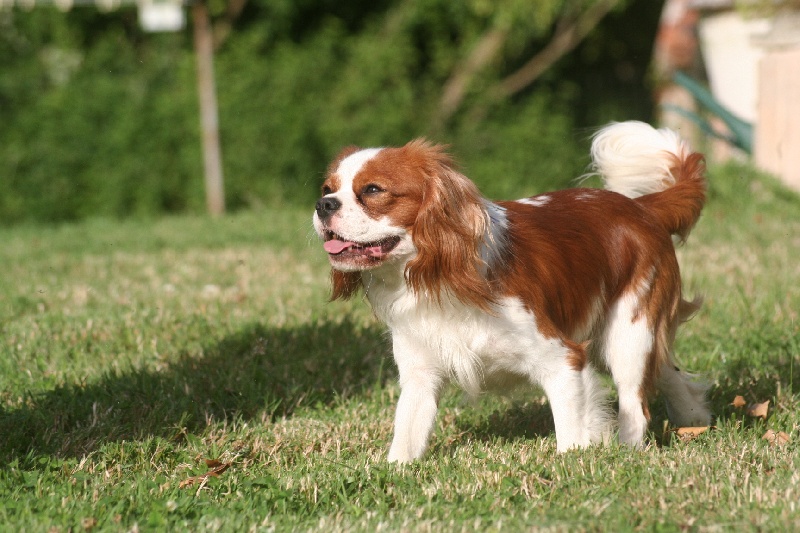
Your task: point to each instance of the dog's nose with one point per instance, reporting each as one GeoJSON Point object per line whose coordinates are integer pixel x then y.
{"type": "Point", "coordinates": [327, 206]}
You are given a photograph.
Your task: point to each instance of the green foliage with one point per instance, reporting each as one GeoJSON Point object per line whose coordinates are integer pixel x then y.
{"type": "Point", "coordinates": [107, 128]}
{"type": "Point", "coordinates": [100, 119]}
{"type": "Point", "coordinates": [509, 158]}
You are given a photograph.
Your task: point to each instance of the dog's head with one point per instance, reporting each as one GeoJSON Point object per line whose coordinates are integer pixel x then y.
{"type": "Point", "coordinates": [406, 206]}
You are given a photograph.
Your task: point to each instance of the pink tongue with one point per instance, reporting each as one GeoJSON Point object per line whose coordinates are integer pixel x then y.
{"type": "Point", "coordinates": [335, 246]}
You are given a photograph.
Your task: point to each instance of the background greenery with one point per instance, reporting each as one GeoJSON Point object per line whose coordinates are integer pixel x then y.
{"type": "Point", "coordinates": [98, 118]}
{"type": "Point", "coordinates": [135, 355]}
{"type": "Point", "coordinates": [132, 352]}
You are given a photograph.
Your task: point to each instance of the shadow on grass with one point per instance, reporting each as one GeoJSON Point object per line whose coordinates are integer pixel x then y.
{"type": "Point", "coordinates": [517, 421]}
{"type": "Point", "coordinates": [262, 373]}
{"type": "Point", "coordinates": [259, 373]}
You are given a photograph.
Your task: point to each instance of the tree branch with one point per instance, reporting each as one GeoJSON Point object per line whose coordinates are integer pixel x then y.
{"type": "Point", "coordinates": [568, 35]}
{"type": "Point", "coordinates": [455, 89]}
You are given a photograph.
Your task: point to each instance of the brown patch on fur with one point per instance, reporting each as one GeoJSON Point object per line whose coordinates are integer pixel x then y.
{"type": "Point", "coordinates": [401, 177]}
{"type": "Point", "coordinates": [577, 357]}
{"type": "Point", "coordinates": [678, 207]}
{"type": "Point", "coordinates": [344, 285]}
{"type": "Point", "coordinates": [566, 267]}
{"type": "Point", "coordinates": [645, 407]}
{"type": "Point", "coordinates": [448, 232]}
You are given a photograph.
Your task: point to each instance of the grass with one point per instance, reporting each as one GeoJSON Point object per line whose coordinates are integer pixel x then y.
{"type": "Point", "coordinates": [131, 353]}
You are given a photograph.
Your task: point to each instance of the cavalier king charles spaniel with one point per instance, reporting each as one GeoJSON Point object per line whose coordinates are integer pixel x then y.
{"type": "Point", "coordinates": [537, 291]}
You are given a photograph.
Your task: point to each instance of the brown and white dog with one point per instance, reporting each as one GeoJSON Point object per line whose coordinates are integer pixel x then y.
{"type": "Point", "coordinates": [535, 291]}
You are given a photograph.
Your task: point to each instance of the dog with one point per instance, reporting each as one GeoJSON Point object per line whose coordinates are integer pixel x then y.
{"type": "Point", "coordinates": [537, 291]}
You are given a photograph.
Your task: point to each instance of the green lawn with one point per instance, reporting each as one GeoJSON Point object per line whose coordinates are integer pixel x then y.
{"type": "Point", "coordinates": [131, 353]}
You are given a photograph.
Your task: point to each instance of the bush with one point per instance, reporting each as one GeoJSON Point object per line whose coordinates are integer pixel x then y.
{"type": "Point", "coordinates": [117, 136]}
{"type": "Point", "coordinates": [100, 119]}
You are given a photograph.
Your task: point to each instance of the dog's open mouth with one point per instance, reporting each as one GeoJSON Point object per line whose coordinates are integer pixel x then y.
{"type": "Point", "coordinates": [341, 248]}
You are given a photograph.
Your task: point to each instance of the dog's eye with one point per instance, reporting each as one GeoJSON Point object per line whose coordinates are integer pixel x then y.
{"type": "Point", "coordinates": [326, 190]}
{"type": "Point", "coordinates": [371, 189]}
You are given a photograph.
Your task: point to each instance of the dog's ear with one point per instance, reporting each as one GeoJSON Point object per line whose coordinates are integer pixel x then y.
{"type": "Point", "coordinates": [449, 233]}
{"type": "Point", "coordinates": [344, 284]}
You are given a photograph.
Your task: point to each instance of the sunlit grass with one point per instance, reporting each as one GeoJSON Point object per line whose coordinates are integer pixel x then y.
{"type": "Point", "coordinates": [131, 352]}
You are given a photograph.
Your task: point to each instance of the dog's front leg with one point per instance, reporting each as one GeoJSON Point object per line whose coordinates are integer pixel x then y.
{"type": "Point", "coordinates": [420, 385]}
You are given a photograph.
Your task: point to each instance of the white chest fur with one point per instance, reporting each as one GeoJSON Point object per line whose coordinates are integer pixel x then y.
{"type": "Point", "coordinates": [477, 350]}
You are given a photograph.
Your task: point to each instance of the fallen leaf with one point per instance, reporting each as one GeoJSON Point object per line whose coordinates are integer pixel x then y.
{"type": "Point", "coordinates": [776, 438]}
{"type": "Point", "coordinates": [217, 470]}
{"type": "Point", "coordinates": [189, 481]}
{"type": "Point", "coordinates": [738, 402]}
{"type": "Point", "coordinates": [220, 469]}
{"type": "Point", "coordinates": [690, 433]}
{"type": "Point", "coordinates": [758, 409]}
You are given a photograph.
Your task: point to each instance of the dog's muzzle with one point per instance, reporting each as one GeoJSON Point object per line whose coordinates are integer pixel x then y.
{"type": "Point", "coordinates": [327, 206]}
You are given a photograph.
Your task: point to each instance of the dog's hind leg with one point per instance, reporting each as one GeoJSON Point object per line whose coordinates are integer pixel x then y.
{"type": "Point", "coordinates": [629, 347]}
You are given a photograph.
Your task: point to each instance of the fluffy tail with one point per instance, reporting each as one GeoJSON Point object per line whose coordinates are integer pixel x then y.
{"type": "Point", "coordinates": [657, 168]}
